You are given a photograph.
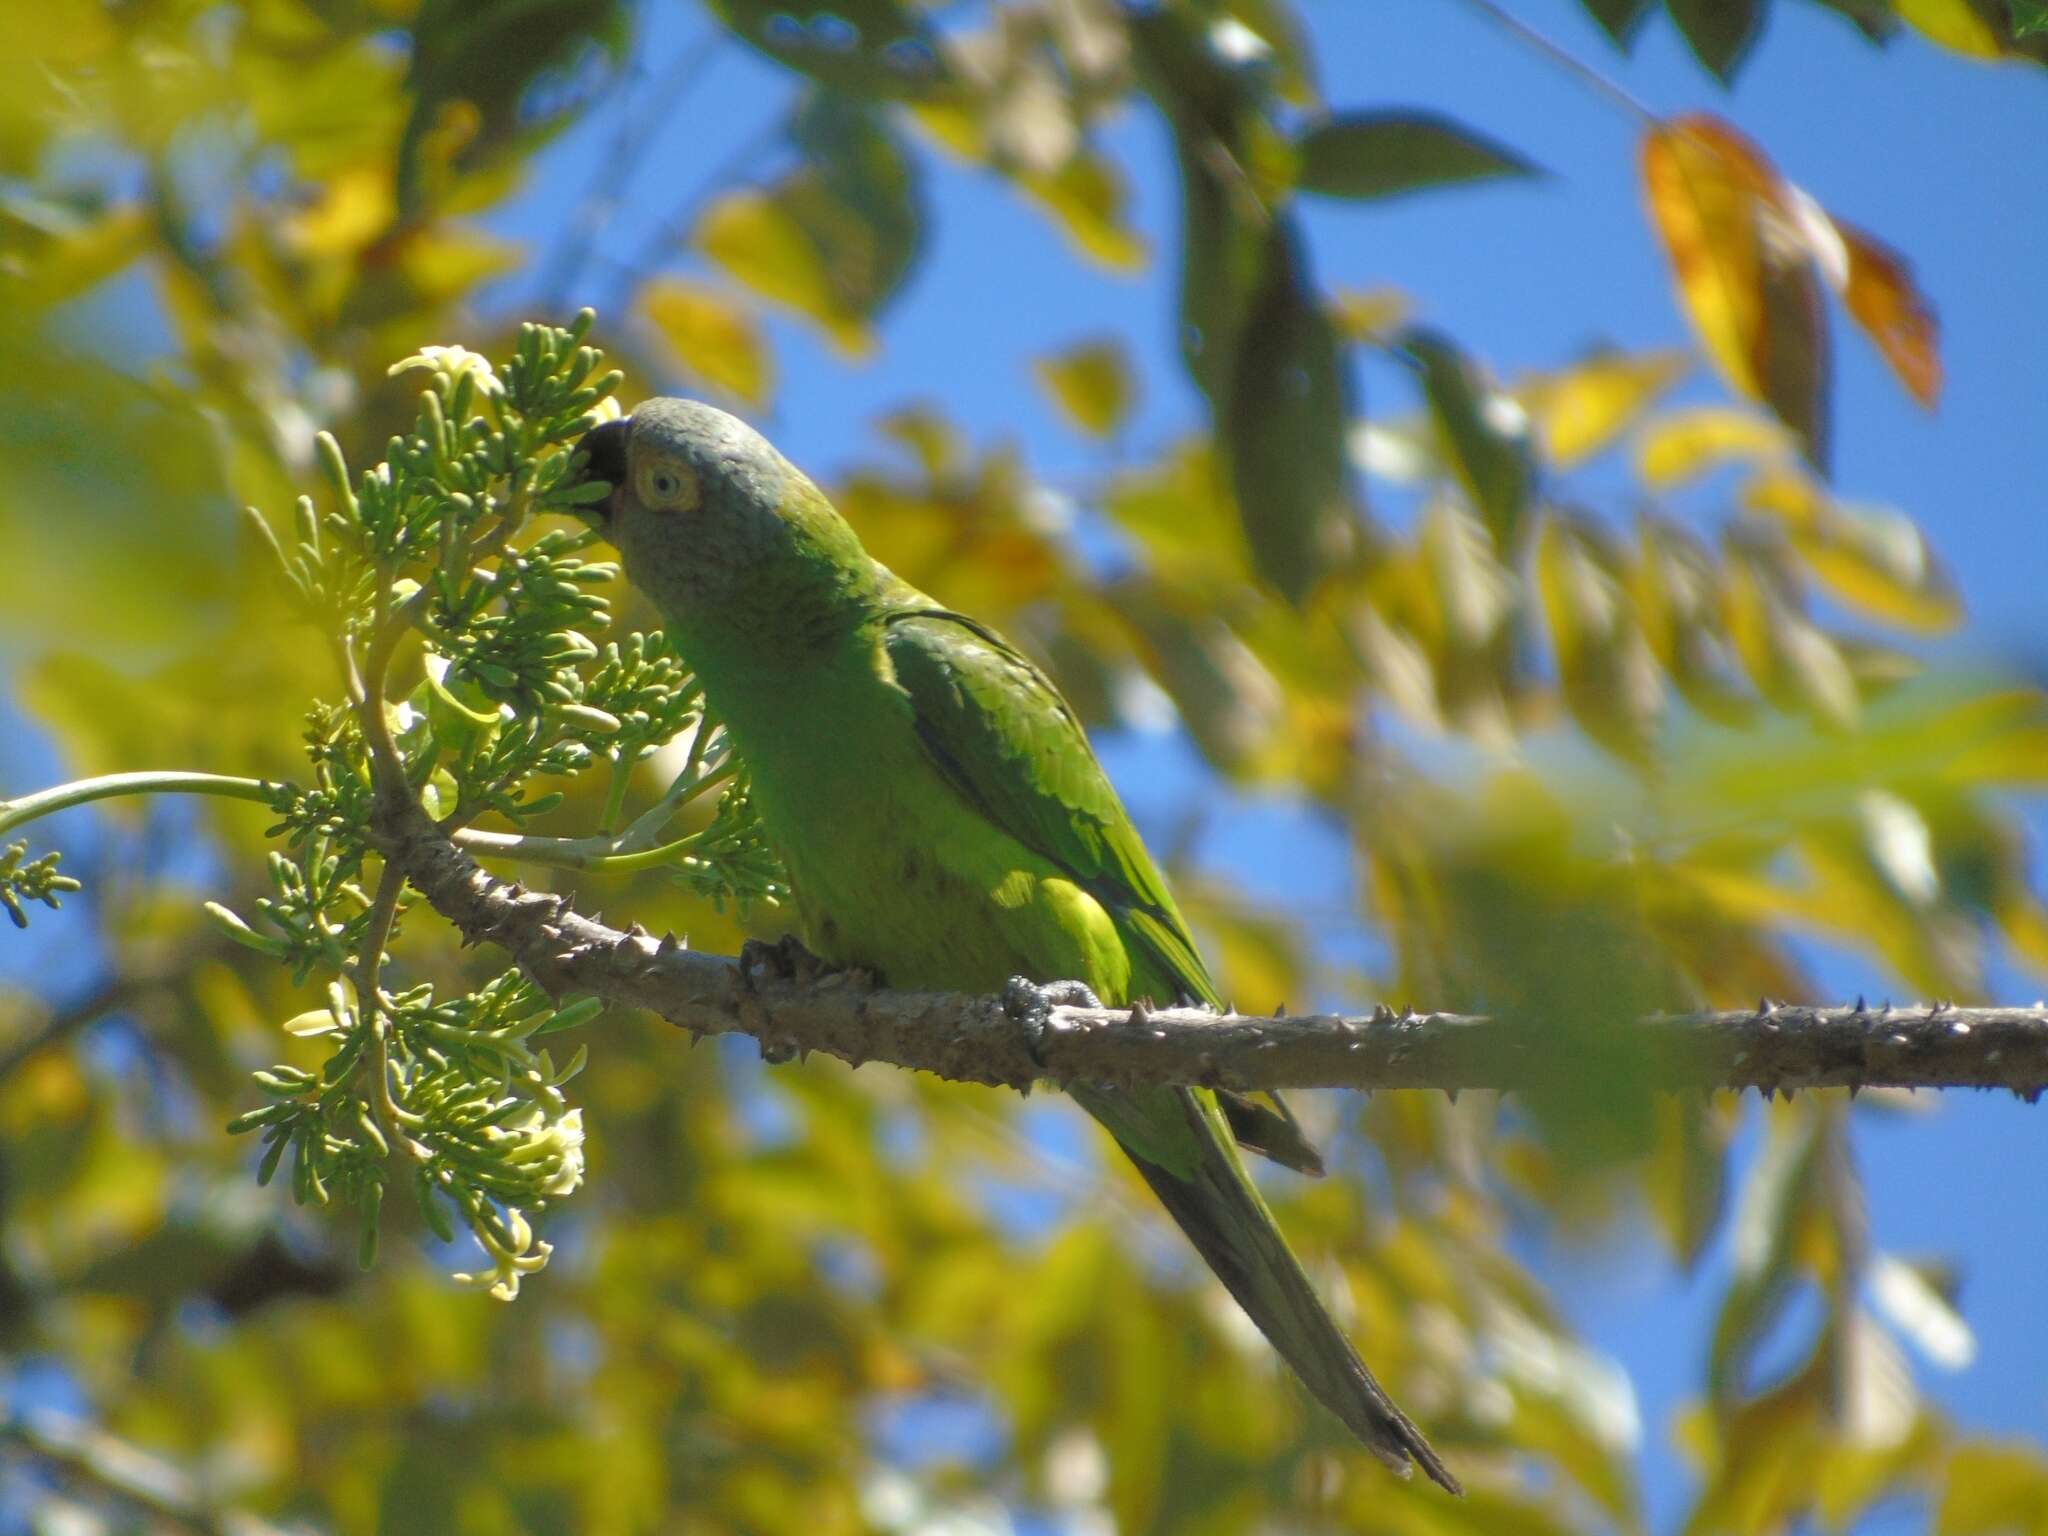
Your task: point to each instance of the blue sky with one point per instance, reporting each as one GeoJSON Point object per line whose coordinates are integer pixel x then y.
{"type": "Point", "coordinates": [1928, 151]}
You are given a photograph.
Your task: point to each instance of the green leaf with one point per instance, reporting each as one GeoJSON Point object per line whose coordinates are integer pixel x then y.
{"type": "Point", "coordinates": [1482, 434]}
{"type": "Point", "coordinates": [1284, 425]}
{"type": "Point", "coordinates": [1230, 703]}
{"type": "Point", "coordinates": [1776, 1203]}
{"type": "Point", "coordinates": [1555, 940]}
{"type": "Point", "coordinates": [868, 47]}
{"type": "Point", "coordinates": [1877, 20]}
{"type": "Point", "coordinates": [1367, 155]}
{"type": "Point", "coordinates": [1605, 668]}
{"type": "Point", "coordinates": [472, 63]}
{"type": "Point", "coordinates": [1798, 373]}
{"type": "Point", "coordinates": [1719, 32]}
{"type": "Point", "coordinates": [1619, 18]}
{"type": "Point", "coordinates": [1678, 596]}
{"type": "Point", "coordinates": [1216, 112]}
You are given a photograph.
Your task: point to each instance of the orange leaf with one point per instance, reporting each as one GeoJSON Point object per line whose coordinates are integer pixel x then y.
{"type": "Point", "coordinates": [1882, 298]}
{"type": "Point", "coordinates": [1744, 274]}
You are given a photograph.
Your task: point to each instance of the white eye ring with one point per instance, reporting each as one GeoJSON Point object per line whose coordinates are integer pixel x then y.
{"type": "Point", "coordinates": [668, 488]}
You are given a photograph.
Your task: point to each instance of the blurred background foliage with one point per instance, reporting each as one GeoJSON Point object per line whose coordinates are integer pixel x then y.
{"type": "Point", "coordinates": [1590, 752]}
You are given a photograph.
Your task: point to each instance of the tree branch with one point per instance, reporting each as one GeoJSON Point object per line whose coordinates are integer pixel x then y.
{"type": "Point", "coordinates": [99, 1463]}
{"type": "Point", "coordinates": [1776, 1048]}
{"type": "Point", "coordinates": [42, 1028]}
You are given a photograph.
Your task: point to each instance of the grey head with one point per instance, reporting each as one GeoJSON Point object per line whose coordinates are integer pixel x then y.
{"type": "Point", "coordinates": [727, 537]}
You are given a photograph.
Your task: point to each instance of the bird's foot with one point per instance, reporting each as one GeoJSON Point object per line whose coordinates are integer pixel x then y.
{"type": "Point", "coordinates": [783, 959]}
{"type": "Point", "coordinates": [1031, 1005]}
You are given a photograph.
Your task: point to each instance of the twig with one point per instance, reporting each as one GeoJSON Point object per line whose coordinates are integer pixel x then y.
{"type": "Point", "coordinates": [669, 235]}
{"type": "Point", "coordinates": [60, 1024]}
{"type": "Point", "coordinates": [90, 1458]}
{"type": "Point", "coordinates": [632, 849]}
{"type": "Point", "coordinates": [637, 133]}
{"type": "Point", "coordinates": [62, 797]}
{"type": "Point", "coordinates": [966, 1038]}
{"type": "Point", "coordinates": [1585, 73]}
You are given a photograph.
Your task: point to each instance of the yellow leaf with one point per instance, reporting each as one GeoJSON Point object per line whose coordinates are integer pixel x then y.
{"type": "Point", "coordinates": [1369, 316]}
{"type": "Point", "coordinates": [1580, 410]}
{"type": "Point", "coordinates": [1789, 497]}
{"type": "Point", "coordinates": [1954, 24]}
{"type": "Point", "coordinates": [443, 261]}
{"type": "Point", "coordinates": [353, 208]}
{"type": "Point", "coordinates": [1703, 185]}
{"type": "Point", "coordinates": [1784, 652]}
{"type": "Point", "coordinates": [1091, 382]}
{"type": "Point", "coordinates": [754, 238]}
{"type": "Point", "coordinates": [54, 253]}
{"type": "Point", "coordinates": [952, 126]}
{"type": "Point", "coordinates": [1993, 1488]}
{"type": "Point", "coordinates": [713, 338]}
{"type": "Point", "coordinates": [1678, 446]}
{"type": "Point", "coordinates": [1735, 237]}
{"type": "Point", "coordinates": [1879, 291]}
{"type": "Point", "coordinates": [1089, 198]}
{"type": "Point", "coordinates": [1874, 560]}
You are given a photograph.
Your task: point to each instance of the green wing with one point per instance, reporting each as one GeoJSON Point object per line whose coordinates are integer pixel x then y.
{"type": "Point", "coordinates": [1003, 737]}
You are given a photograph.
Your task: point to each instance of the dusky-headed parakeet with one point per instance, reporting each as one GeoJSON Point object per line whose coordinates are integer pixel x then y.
{"type": "Point", "coordinates": [945, 825]}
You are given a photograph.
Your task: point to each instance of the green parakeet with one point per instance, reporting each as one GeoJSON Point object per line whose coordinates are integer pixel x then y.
{"type": "Point", "coordinates": [945, 824]}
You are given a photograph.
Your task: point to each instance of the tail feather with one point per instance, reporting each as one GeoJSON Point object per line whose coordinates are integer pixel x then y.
{"type": "Point", "coordinates": [1216, 1205]}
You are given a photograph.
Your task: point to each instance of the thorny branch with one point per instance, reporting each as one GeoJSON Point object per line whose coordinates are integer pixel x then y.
{"type": "Point", "coordinates": [1773, 1047]}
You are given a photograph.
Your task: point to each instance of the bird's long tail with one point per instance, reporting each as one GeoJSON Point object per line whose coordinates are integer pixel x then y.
{"type": "Point", "coordinates": [1215, 1203]}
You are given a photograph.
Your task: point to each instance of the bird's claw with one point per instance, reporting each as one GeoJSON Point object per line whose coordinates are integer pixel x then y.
{"type": "Point", "coordinates": [783, 959]}
{"type": "Point", "coordinates": [1031, 1005]}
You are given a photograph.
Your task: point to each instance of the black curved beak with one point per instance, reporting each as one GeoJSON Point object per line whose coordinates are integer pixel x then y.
{"type": "Point", "coordinates": [603, 452]}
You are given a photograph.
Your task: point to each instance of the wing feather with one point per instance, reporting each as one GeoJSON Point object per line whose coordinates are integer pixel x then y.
{"type": "Point", "coordinates": [1001, 735]}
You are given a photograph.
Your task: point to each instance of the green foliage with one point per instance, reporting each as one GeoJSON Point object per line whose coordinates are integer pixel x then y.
{"type": "Point", "coordinates": [1365, 155]}
{"type": "Point", "coordinates": [1722, 33]}
{"type": "Point", "coordinates": [36, 880]}
{"type": "Point", "coordinates": [444, 541]}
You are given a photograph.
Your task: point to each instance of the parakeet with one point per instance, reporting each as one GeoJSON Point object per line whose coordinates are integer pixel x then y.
{"type": "Point", "coordinates": [945, 824]}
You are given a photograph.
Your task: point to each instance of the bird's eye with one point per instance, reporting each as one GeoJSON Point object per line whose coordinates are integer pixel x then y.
{"type": "Point", "coordinates": [668, 488]}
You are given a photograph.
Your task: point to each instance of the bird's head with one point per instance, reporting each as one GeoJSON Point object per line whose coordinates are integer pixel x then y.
{"type": "Point", "coordinates": [726, 536]}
